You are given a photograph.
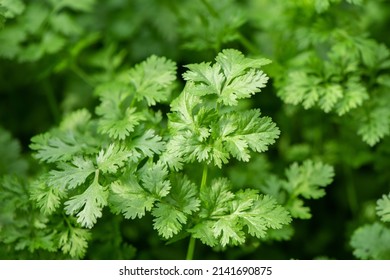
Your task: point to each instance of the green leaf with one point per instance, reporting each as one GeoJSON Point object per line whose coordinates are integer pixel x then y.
{"type": "Point", "coordinates": [130, 199]}
{"type": "Point", "coordinates": [203, 130]}
{"type": "Point", "coordinates": [232, 134]}
{"type": "Point", "coordinates": [135, 195]}
{"type": "Point", "coordinates": [22, 226]}
{"type": "Point", "coordinates": [52, 149]}
{"type": "Point", "coordinates": [74, 241]}
{"type": "Point", "coordinates": [152, 79]}
{"type": "Point", "coordinates": [11, 161]}
{"type": "Point", "coordinates": [306, 180]}
{"type": "Point", "coordinates": [183, 108]}
{"type": "Point", "coordinates": [215, 198]}
{"type": "Point", "coordinates": [354, 96]}
{"type": "Point", "coordinates": [375, 125]}
{"type": "Point", "coordinates": [328, 101]}
{"type": "Point", "coordinates": [30, 21]}
{"type": "Point", "coordinates": [173, 211]}
{"type": "Point", "coordinates": [261, 213]}
{"type": "Point", "coordinates": [311, 87]}
{"type": "Point", "coordinates": [226, 217]}
{"type": "Point", "coordinates": [48, 199]}
{"type": "Point", "coordinates": [168, 220]}
{"type": "Point", "coordinates": [243, 131]}
{"type": "Point", "coordinates": [228, 231]}
{"type": "Point", "coordinates": [309, 179]}
{"type": "Point", "coordinates": [371, 242]}
{"type": "Point", "coordinates": [70, 140]}
{"type": "Point", "coordinates": [76, 121]}
{"type": "Point", "coordinates": [147, 145]}
{"type": "Point", "coordinates": [116, 124]}
{"type": "Point", "coordinates": [153, 178]}
{"type": "Point", "coordinates": [226, 81]}
{"type": "Point", "coordinates": [298, 209]}
{"type": "Point", "coordinates": [71, 175]}
{"type": "Point", "coordinates": [234, 63]}
{"type": "Point", "coordinates": [65, 24]}
{"type": "Point", "coordinates": [88, 205]}
{"type": "Point", "coordinates": [52, 42]}
{"type": "Point", "coordinates": [383, 208]}
{"type": "Point", "coordinates": [203, 231]}
{"type": "Point", "coordinates": [208, 25]}
{"type": "Point", "coordinates": [114, 157]}
{"type": "Point", "coordinates": [13, 7]}
{"type": "Point", "coordinates": [11, 38]}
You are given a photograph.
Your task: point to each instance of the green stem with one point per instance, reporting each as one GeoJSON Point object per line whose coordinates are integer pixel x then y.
{"type": "Point", "coordinates": [52, 102]}
{"type": "Point", "coordinates": [191, 245]}
{"type": "Point", "coordinates": [82, 75]}
{"type": "Point", "coordinates": [247, 44]}
{"type": "Point", "coordinates": [191, 249]}
{"type": "Point", "coordinates": [211, 9]}
{"type": "Point", "coordinates": [204, 178]}
{"type": "Point", "coordinates": [351, 191]}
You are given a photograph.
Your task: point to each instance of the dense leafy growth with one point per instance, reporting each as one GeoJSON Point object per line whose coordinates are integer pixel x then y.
{"type": "Point", "coordinates": [235, 129]}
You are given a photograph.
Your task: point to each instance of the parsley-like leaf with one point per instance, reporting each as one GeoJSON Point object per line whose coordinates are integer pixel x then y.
{"type": "Point", "coordinates": [114, 157]}
{"type": "Point", "coordinates": [226, 81]}
{"type": "Point", "coordinates": [71, 175]}
{"type": "Point", "coordinates": [309, 178]}
{"type": "Point", "coordinates": [383, 208]}
{"type": "Point", "coordinates": [225, 215]}
{"type": "Point", "coordinates": [74, 241]}
{"type": "Point", "coordinates": [371, 242]}
{"type": "Point", "coordinates": [173, 211]}
{"type": "Point", "coordinates": [146, 145]}
{"type": "Point", "coordinates": [375, 125]}
{"type": "Point", "coordinates": [47, 198]}
{"type": "Point", "coordinates": [243, 131]}
{"type": "Point", "coordinates": [116, 123]}
{"type": "Point", "coordinates": [152, 79]}
{"type": "Point", "coordinates": [89, 204]}
{"type": "Point", "coordinates": [130, 199]}
{"type": "Point", "coordinates": [135, 195]}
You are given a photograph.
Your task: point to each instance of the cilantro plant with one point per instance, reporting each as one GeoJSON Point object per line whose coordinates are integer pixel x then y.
{"type": "Point", "coordinates": [122, 161]}
{"type": "Point", "coordinates": [194, 129]}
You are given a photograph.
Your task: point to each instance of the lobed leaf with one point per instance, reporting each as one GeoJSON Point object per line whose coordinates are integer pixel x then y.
{"type": "Point", "coordinates": [88, 205]}
{"type": "Point", "coordinates": [148, 144]}
{"type": "Point", "coordinates": [130, 199]}
{"type": "Point", "coordinates": [74, 241]}
{"type": "Point", "coordinates": [71, 175]}
{"type": "Point", "coordinates": [232, 77]}
{"type": "Point", "coordinates": [114, 157]}
{"type": "Point", "coordinates": [309, 179]}
{"type": "Point", "coordinates": [172, 212]}
{"type": "Point", "coordinates": [153, 79]}
{"type": "Point", "coordinates": [371, 242]}
{"type": "Point", "coordinates": [383, 208]}
{"type": "Point", "coordinates": [48, 199]}
{"type": "Point", "coordinates": [52, 149]}
{"type": "Point", "coordinates": [226, 217]}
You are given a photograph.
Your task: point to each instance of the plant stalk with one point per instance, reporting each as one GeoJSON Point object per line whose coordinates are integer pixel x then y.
{"type": "Point", "coordinates": [204, 178]}
{"type": "Point", "coordinates": [247, 44]}
{"type": "Point", "coordinates": [191, 249]}
{"type": "Point", "coordinates": [191, 245]}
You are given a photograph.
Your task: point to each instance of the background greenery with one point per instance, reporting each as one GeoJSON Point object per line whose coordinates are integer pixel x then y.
{"type": "Point", "coordinates": [329, 93]}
